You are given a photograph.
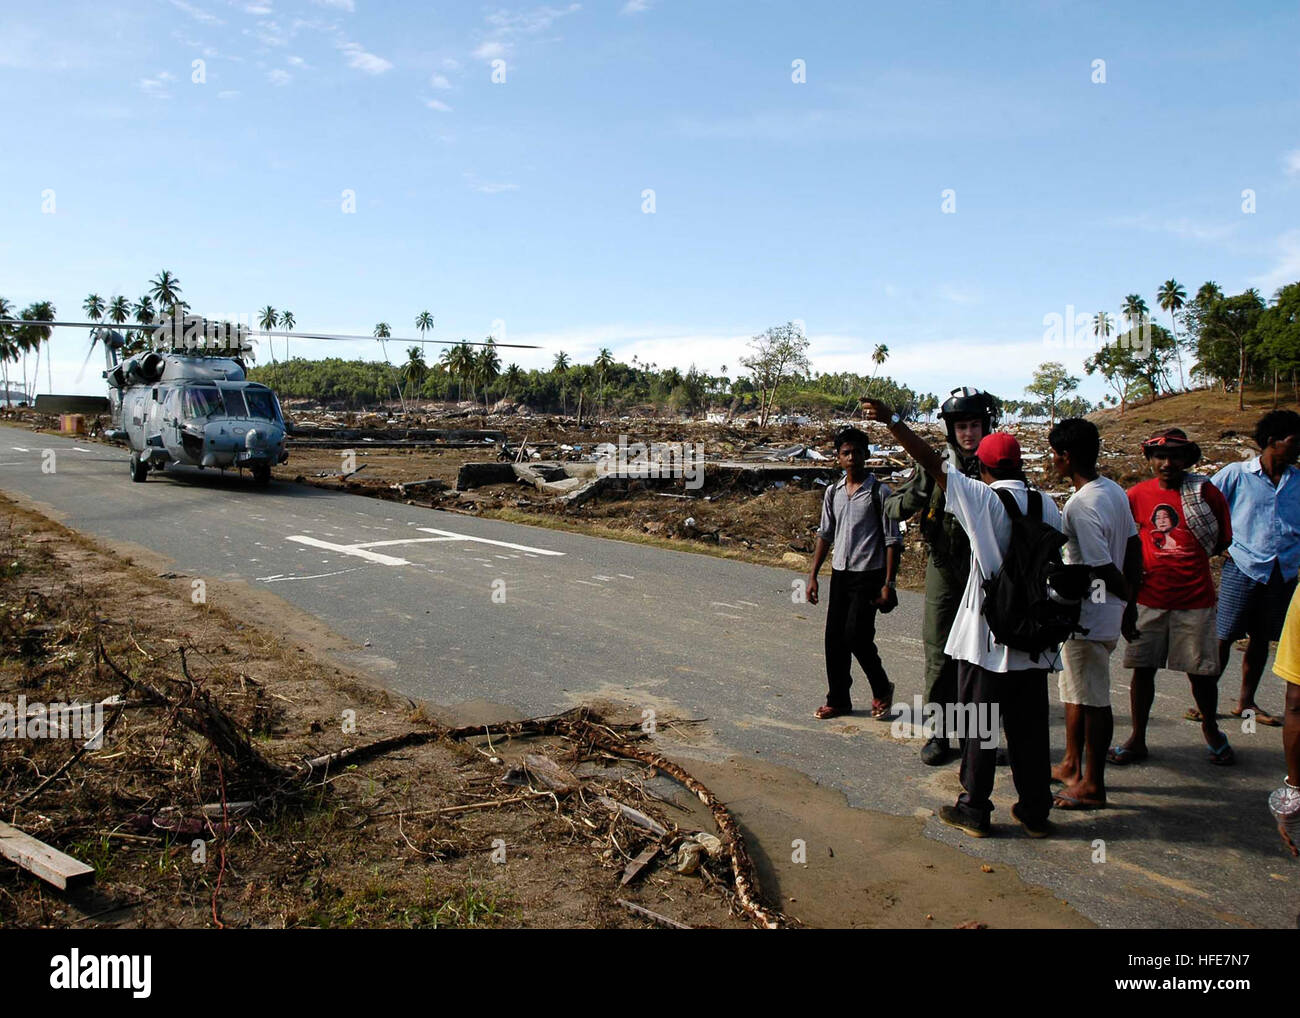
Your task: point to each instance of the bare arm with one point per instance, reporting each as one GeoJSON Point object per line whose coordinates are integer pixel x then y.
{"type": "Point", "coordinates": [913, 444]}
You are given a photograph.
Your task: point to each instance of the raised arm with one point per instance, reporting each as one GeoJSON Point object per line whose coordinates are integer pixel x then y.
{"type": "Point", "coordinates": [913, 444]}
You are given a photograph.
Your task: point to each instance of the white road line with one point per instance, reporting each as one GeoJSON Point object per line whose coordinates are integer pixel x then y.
{"type": "Point", "coordinates": [343, 549]}
{"type": "Point", "coordinates": [407, 540]}
{"type": "Point", "coordinates": [747, 604]}
{"type": "Point", "coordinates": [723, 604]}
{"type": "Point", "coordinates": [484, 540]}
{"type": "Point", "coordinates": [279, 578]}
{"type": "Point", "coordinates": [726, 616]}
{"type": "Point", "coordinates": [19, 448]}
{"type": "Point", "coordinates": [590, 584]}
{"type": "Point", "coordinates": [626, 577]}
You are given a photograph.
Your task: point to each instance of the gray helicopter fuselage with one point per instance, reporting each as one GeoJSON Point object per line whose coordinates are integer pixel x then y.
{"type": "Point", "coordinates": [196, 411]}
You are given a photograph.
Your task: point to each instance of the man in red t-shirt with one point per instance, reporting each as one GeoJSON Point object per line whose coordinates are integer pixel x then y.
{"type": "Point", "coordinates": [1182, 520]}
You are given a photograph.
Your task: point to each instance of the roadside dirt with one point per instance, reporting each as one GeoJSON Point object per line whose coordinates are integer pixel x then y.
{"type": "Point", "coordinates": [389, 842]}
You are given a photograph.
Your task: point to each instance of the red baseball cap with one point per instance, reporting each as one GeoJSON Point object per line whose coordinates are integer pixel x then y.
{"type": "Point", "coordinates": [999, 450]}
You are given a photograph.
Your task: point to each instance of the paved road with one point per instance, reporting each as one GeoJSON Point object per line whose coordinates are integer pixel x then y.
{"type": "Point", "coordinates": [452, 609]}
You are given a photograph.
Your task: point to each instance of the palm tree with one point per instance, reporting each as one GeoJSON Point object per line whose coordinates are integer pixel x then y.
{"type": "Point", "coordinates": [878, 357]}
{"type": "Point", "coordinates": [268, 318]}
{"type": "Point", "coordinates": [1171, 296]}
{"type": "Point", "coordinates": [423, 322]}
{"type": "Point", "coordinates": [94, 307]}
{"type": "Point", "coordinates": [415, 369]}
{"type": "Point", "coordinates": [1135, 310]}
{"type": "Point", "coordinates": [487, 365]}
{"type": "Point", "coordinates": [287, 322]}
{"type": "Point", "coordinates": [461, 362]}
{"type": "Point", "coordinates": [561, 362]}
{"type": "Point", "coordinates": [30, 338]}
{"type": "Point", "coordinates": [513, 377]}
{"type": "Point", "coordinates": [603, 362]}
{"type": "Point", "coordinates": [144, 310]}
{"type": "Point", "coordinates": [8, 344]}
{"type": "Point", "coordinates": [166, 290]}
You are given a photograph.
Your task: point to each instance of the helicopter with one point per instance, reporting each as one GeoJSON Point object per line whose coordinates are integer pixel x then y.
{"type": "Point", "coordinates": [186, 399]}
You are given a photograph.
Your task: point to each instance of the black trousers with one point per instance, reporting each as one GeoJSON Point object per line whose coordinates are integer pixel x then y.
{"type": "Point", "coordinates": [1021, 697]}
{"type": "Point", "coordinates": [850, 633]}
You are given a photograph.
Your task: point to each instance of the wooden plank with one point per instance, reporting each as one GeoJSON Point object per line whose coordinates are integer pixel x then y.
{"type": "Point", "coordinates": [662, 920]}
{"type": "Point", "coordinates": [637, 866]}
{"type": "Point", "coordinates": [40, 859]}
{"type": "Point", "coordinates": [550, 774]}
{"type": "Point", "coordinates": [633, 815]}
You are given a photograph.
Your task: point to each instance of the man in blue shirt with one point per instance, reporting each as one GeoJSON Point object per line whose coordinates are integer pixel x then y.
{"type": "Point", "coordinates": [1260, 568]}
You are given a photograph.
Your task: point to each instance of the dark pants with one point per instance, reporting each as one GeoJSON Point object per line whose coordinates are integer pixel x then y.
{"type": "Point", "coordinates": [1021, 697]}
{"type": "Point", "coordinates": [850, 633]}
{"type": "Point", "coordinates": [942, 599]}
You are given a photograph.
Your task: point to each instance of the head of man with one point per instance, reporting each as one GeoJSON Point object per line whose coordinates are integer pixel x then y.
{"type": "Point", "coordinates": [1075, 443]}
{"type": "Point", "coordinates": [969, 415]}
{"type": "Point", "coordinates": [851, 450]}
{"type": "Point", "coordinates": [1171, 454]}
{"type": "Point", "coordinates": [999, 457]}
{"type": "Point", "coordinates": [1278, 436]}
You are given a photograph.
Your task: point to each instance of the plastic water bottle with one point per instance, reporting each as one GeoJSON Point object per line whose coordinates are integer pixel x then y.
{"type": "Point", "coordinates": [1284, 804]}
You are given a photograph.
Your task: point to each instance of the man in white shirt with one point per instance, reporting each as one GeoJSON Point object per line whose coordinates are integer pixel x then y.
{"type": "Point", "coordinates": [1098, 523]}
{"type": "Point", "coordinates": [995, 679]}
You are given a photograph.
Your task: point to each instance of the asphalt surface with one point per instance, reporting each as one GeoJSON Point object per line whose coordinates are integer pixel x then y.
{"type": "Point", "coordinates": [454, 610]}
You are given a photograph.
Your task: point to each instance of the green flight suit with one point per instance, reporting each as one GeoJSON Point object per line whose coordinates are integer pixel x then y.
{"type": "Point", "coordinates": [947, 567]}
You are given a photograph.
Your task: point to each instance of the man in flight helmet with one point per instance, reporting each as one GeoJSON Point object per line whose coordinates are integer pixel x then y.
{"type": "Point", "coordinates": [969, 415]}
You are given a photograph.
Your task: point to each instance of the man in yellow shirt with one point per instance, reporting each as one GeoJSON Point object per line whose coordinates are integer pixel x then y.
{"type": "Point", "coordinates": [1287, 665]}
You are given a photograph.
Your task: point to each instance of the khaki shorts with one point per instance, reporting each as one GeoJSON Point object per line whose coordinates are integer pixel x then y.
{"type": "Point", "coordinates": [1180, 639]}
{"type": "Point", "coordinates": [1085, 675]}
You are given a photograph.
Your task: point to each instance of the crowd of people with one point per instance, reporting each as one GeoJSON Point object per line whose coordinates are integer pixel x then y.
{"type": "Point", "coordinates": [1017, 588]}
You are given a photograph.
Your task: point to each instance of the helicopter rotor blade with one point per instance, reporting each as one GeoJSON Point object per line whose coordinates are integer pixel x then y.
{"type": "Point", "coordinates": [272, 335]}
{"type": "Point", "coordinates": [82, 371]}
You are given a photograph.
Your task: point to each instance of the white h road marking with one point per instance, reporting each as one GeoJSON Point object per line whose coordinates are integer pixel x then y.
{"type": "Point", "coordinates": [362, 550]}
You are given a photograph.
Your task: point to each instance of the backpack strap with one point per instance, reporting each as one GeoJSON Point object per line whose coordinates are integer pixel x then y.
{"type": "Point", "coordinates": [1008, 503]}
{"type": "Point", "coordinates": [1035, 504]}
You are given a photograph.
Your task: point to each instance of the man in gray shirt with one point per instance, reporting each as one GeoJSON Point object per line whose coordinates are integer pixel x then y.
{"type": "Point", "coordinates": [863, 570]}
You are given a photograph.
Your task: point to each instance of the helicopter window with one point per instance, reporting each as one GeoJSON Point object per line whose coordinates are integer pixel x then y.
{"type": "Point", "coordinates": [203, 401]}
{"type": "Point", "coordinates": [260, 404]}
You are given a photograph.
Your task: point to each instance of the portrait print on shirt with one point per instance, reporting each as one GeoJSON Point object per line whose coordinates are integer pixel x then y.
{"type": "Point", "coordinates": [1164, 521]}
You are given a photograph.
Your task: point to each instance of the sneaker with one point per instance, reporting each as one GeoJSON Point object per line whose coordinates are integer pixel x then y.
{"type": "Point", "coordinates": [1040, 829]}
{"type": "Point", "coordinates": [936, 751]}
{"type": "Point", "coordinates": [972, 823]}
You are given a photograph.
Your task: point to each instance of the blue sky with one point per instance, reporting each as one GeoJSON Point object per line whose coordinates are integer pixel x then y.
{"type": "Point", "coordinates": [521, 201]}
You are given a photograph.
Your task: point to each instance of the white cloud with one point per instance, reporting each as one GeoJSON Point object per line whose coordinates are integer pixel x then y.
{"type": "Point", "coordinates": [359, 60]}
{"type": "Point", "coordinates": [157, 85]}
{"type": "Point", "coordinates": [490, 50]}
{"type": "Point", "coordinates": [451, 64]}
{"type": "Point", "coordinates": [1291, 163]}
{"type": "Point", "coordinates": [278, 77]}
{"type": "Point", "coordinates": [539, 19]}
{"type": "Point", "coordinates": [1286, 267]}
{"type": "Point", "coordinates": [296, 61]}
{"type": "Point", "coordinates": [439, 81]}
{"type": "Point", "coordinates": [435, 104]}
{"type": "Point", "coordinates": [635, 7]}
{"type": "Point", "coordinates": [230, 93]}
{"type": "Point", "coordinates": [197, 13]}
{"type": "Point", "coordinates": [488, 187]}
{"type": "Point", "coordinates": [258, 8]}
{"type": "Point", "coordinates": [338, 5]}
{"type": "Point", "coordinates": [1181, 227]}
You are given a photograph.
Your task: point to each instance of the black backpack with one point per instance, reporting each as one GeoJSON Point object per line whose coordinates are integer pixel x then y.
{"type": "Point", "coordinates": [1033, 602]}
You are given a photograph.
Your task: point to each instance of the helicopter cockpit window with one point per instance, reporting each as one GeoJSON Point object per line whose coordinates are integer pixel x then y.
{"type": "Point", "coordinates": [203, 401]}
{"type": "Point", "coordinates": [261, 404]}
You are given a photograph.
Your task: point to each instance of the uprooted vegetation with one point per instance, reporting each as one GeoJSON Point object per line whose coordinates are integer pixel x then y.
{"type": "Point", "coordinates": [244, 781]}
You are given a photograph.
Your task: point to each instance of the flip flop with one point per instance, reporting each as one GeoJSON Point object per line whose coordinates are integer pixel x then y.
{"type": "Point", "coordinates": [1063, 801]}
{"type": "Point", "coordinates": [1223, 756]}
{"type": "Point", "coordinates": [1192, 714]}
{"type": "Point", "coordinates": [1121, 756]}
{"type": "Point", "coordinates": [1262, 716]}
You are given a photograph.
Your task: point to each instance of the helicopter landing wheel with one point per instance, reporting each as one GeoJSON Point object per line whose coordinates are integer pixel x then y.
{"type": "Point", "coordinates": [262, 474]}
{"type": "Point", "coordinates": [139, 468]}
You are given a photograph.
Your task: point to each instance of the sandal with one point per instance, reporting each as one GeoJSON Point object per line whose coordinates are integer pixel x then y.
{"type": "Point", "coordinates": [1262, 716]}
{"type": "Point", "coordinates": [1063, 801]}
{"type": "Point", "coordinates": [881, 709]}
{"type": "Point", "coordinates": [1122, 756]}
{"type": "Point", "coordinates": [1223, 756]}
{"type": "Point", "coordinates": [826, 712]}
{"type": "Point", "coordinates": [1192, 714]}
